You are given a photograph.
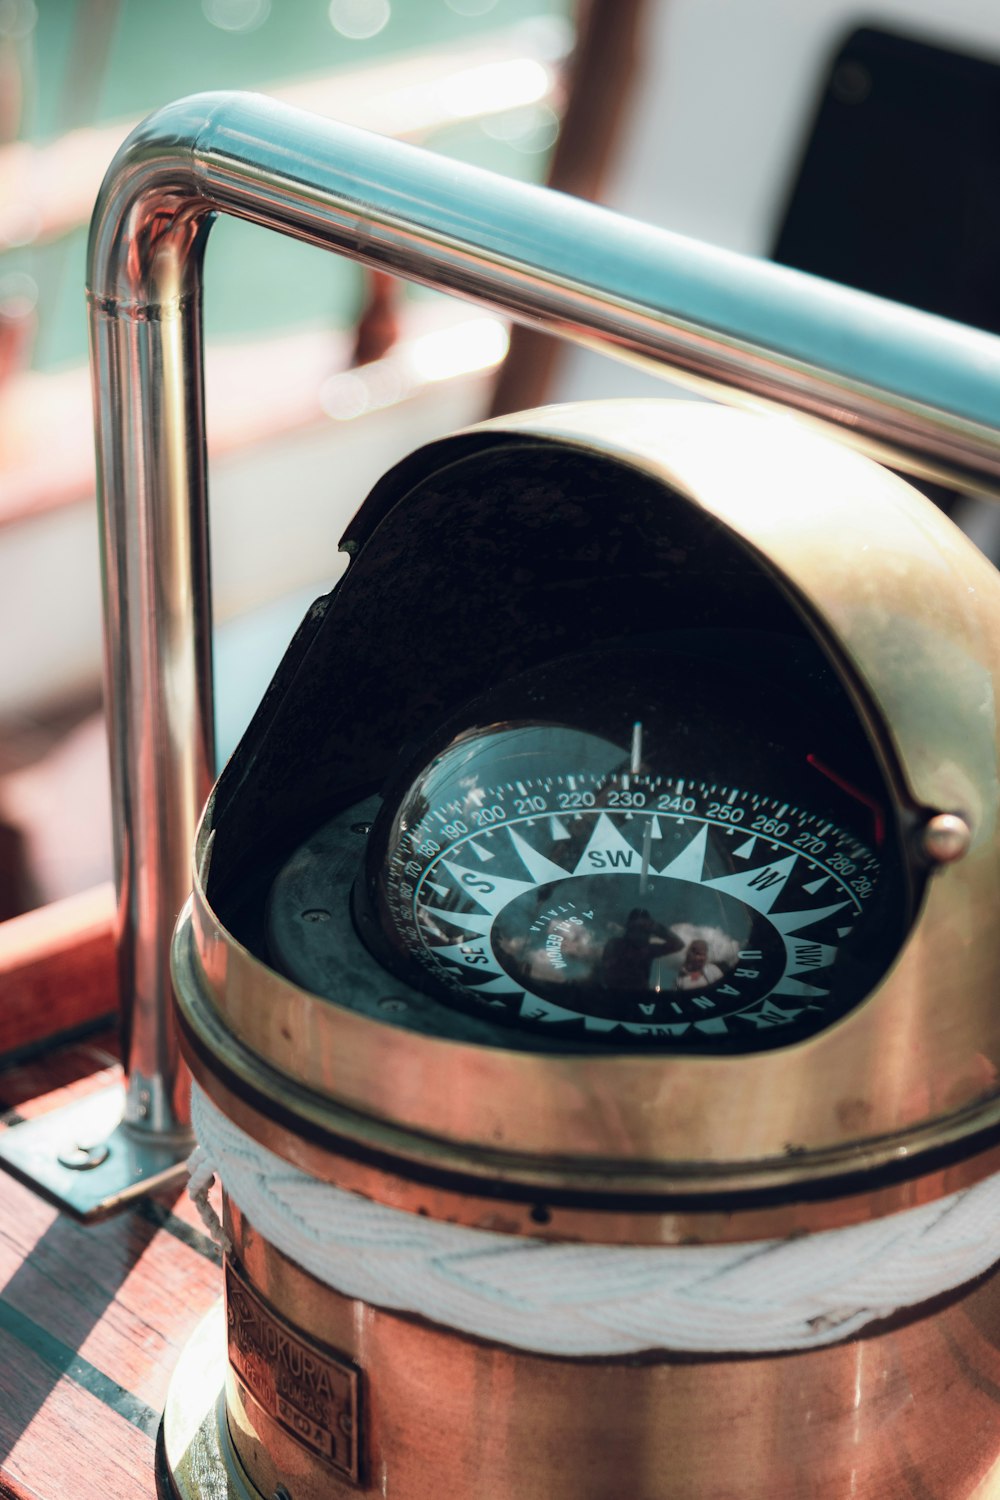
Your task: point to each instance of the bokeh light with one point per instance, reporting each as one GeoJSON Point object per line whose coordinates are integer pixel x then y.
{"type": "Point", "coordinates": [359, 19]}
{"type": "Point", "coordinates": [532, 129]}
{"type": "Point", "coordinates": [471, 7]}
{"type": "Point", "coordinates": [17, 18]}
{"type": "Point", "coordinates": [18, 294]}
{"type": "Point", "coordinates": [236, 15]}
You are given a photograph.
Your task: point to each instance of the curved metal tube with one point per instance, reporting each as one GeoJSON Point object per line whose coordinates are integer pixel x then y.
{"type": "Point", "coordinates": [914, 389]}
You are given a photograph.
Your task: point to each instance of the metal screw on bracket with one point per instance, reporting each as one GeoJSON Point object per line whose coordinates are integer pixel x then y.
{"type": "Point", "coordinates": [945, 838]}
{"type": "Point", "coordinates": [281, 1493]}
{"type": "Point", "coordinates": [83, 1158]}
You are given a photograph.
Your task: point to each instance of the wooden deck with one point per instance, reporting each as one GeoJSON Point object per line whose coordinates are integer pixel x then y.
{"type": "Point", "coordinates": [92, 1318]}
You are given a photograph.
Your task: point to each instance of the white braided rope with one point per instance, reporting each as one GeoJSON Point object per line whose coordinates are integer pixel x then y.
{"type": "Point", "coordinates": [593, 1300]}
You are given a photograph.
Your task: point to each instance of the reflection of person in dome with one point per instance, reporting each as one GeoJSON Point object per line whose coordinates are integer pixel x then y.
{"type": "Point", "coordinates": [626, 959]}
{"type": "Point", "coordinates": [696, 972]}
{"type": "Point", "coordinates": [565, 954]}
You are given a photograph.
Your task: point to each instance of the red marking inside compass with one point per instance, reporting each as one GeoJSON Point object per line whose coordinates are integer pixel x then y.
{"type": "Point", "coordinates": [875, 808]}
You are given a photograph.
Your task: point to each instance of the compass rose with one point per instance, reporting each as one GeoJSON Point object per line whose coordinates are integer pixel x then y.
{"type": "Point", "coordinates": [638, 925]}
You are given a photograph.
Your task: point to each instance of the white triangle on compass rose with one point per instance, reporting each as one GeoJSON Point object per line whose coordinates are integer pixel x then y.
{"type": "Point", "coordinates": [792, 921]}
{"type": "Point", "coordinates": [796, 987]}
{"type": "Point", "coordinates": [655, 831]}
{"type": "Point", "coordinates": [539, 868]}
{"type": "Point", "coordinates": [465, 921]}
{"type": "Point", "coordinates": [491, 891]}
{"type": "Point", "coordinates": [713, 1027]}
{"type": "Point", "coordinates": [816, 885]}
{"type": "Point", "coordinates": [653, 1028]}
{"type": "Point", "coordinates": [746, 848]}
{"type": "Point", "coordinates": [481, 854]}
{"type": "Point", "coordinates": [533, 1008]}
{"type": "Point", "coordinates": [502, 985]}
{"type": "Point", "coordinates": [844, 931]}
{"type": "Point", "coordinates": [558, 829]}
{"type": "Point", "coordinates": [600, 1023]}
{"type": "Point", "coordinates": [442, 890]}
{"type": "Point", "coordinates": [607, 852]}
{"type": "Point", "coordinates": [760, 887]}
{"type": "Point", "coordinates": [689, 864]}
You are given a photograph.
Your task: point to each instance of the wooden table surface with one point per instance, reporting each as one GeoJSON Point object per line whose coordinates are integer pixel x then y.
{"type": "Point", "coordinates": [92, 1317]}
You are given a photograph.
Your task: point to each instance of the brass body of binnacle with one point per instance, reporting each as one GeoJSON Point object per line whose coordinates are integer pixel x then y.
{"type": "Point", "coordinates": [909, 614]}
{"type": "Point", "coordinates": [896, 1104]}
{"type": "Point", "coordinates": [909, 1411]}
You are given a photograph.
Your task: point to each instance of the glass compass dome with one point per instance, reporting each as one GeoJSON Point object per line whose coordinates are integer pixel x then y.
{"type": "Point", "coordinates": [618, 848]}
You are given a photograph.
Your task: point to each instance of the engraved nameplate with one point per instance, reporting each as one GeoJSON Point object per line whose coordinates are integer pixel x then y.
{"type": "Point", "coordinates": [299, 1383]}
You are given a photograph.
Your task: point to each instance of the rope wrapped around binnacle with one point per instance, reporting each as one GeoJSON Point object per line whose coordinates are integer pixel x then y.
{"type": "Point", "coordinates": [587, 1301]}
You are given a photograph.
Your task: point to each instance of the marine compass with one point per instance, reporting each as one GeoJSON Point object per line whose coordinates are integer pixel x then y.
{"type": "Point", "coordinates": [611, 850]}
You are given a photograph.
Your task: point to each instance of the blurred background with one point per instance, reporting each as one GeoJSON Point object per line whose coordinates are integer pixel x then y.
{"type": "Point", "coordinates": [861, 144]}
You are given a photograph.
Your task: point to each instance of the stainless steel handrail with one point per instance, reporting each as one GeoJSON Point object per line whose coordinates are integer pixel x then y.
{"type": "Point", "coordinates": [907, 387]}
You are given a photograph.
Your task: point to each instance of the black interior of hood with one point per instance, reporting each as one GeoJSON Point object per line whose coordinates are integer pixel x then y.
{"type": "Point", "coordinates": [509, 556]}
